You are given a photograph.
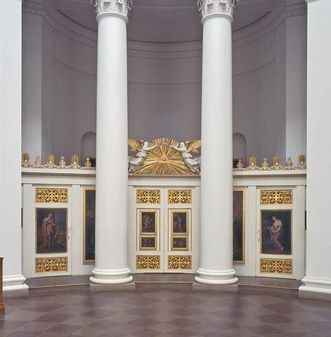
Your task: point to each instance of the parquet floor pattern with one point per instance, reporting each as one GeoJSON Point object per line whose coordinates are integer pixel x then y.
{"type": "Point", "coordinates": [77, 311]}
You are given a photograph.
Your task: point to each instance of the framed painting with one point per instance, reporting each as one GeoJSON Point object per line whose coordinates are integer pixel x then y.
{"type": "Point", "coordinates": [179, 221]}
{"type": "Point", "coordinates": [276, 230]}
{"type": "Point", "coordinates": [239, 226]}
{"type": "Point", "coordinates": [89, 225]}
{"type": "Point", "coordinates": [147, 243]}
{"type": "Point", "coordinates": [148, 221]}
{"type": "Point", "coordinates": [51, 230]}
{"type": "Point", "coordinates": [179, 243]}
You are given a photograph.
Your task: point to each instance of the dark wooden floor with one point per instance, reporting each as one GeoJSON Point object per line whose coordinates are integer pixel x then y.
{"type": "Point", "coordinates": [77, 311]}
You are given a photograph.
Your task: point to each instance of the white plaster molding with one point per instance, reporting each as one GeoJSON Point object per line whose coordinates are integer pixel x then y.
{"type": "Point", "coordinates": [33, 7]}
{"type": "Point", "coordinates": [316, 285]}
{"type": "Point", "coordinates": [112, 7]}
{"type": "Point", "coordinates": [14, 283]}
{"type": "Point", "coordinates": [209, 8]}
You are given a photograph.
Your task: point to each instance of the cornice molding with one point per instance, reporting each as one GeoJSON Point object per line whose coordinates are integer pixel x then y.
{"type": "Point", "coordinates": [119, 8]}
{"type": "Point", "coordinates": [210, 8]}
{"type": "Point", "coordinates": [33, 7]}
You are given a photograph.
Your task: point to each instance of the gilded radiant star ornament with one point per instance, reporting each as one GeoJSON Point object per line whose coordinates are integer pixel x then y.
{"type": "Point", "coordinates": [164, 157]}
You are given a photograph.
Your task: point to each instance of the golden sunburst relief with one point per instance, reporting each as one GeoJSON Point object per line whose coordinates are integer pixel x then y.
{"type": "Point", "coordinates": [164, 160]}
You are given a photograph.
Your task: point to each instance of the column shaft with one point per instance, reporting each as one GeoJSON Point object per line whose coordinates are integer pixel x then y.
{"type": "Point", "coordinates": [112, 135]}
{"type": "Point", "coordinates": [216, 265]}
{"type": "Point", "coordinates": [317, 282]}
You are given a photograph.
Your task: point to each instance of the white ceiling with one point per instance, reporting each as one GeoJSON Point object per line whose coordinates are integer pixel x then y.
{"type": "Point", "coordinates": [164, 20]}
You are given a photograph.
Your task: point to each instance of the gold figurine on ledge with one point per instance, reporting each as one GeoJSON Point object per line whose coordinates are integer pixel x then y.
{"type": "Point", "coordinates": [26, 160]}
{"type": "Point", "coordinates": [62, 163]}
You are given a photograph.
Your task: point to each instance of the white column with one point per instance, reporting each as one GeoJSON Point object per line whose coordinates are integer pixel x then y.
{"type": "Point", "coordinates": [216, 265]}
{"type": "Point", "coordinates": [10, 143]}
{"type": "Point", "coordinates": [317, 281]}
{"type": "Point", "coordinates": [112, 137]}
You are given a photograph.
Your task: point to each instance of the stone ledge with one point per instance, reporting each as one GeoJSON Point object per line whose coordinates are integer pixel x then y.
{"type": "Point", "coordinates": [233, 288]}
{"type": "Point", "coordinates": [113, 287]}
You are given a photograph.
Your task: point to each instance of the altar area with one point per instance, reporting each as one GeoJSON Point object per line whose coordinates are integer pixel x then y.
{"type": "Point", "coordinates": [164, 210]}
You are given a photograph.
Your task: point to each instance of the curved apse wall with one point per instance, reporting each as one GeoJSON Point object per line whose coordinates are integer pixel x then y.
{"type": "Point", "coordinates": [164, 87]}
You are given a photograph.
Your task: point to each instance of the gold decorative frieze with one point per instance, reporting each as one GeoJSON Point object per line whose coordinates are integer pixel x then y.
{"type": "Point", "coordinates": [148, 262]}
{"type": "Point", "coordinates": [50, 163]}
{"type": "Point", "coordinates": [180, 196]}
{"type": "Point", "coordinates": [276, 197]}
{"type": "Point", "coordinates": [51, 264]}
{"type": "Point", "coordinates": [183, 262]}
{"type": "Point", "coordinates": [276, 266]}
{"type": "Point", "coordinates": [148, 196]}
{"type": "Point", "coordinates": [52, 195]}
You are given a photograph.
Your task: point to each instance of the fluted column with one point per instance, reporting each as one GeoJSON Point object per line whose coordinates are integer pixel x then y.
{"type": "Point", "coordinates": [216, 265]}
{"type": "Point", "coordinates": [111, 265]}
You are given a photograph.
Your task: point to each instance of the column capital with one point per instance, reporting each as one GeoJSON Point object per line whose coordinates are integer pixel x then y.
{"type": "Point", "coordinates": [112, 7]}
{"type": "Point", "coordinates": [209, 8]}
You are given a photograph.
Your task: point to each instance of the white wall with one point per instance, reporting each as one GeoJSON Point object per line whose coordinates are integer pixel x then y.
{"type": "Point", "coordinates": [164, 90]}
{"type": "Point", "coordinates": [10, 142]}
{"type": "Point", "coordinates": [164, 84]}
{"type": "Point", "coordinates": [32, 84]}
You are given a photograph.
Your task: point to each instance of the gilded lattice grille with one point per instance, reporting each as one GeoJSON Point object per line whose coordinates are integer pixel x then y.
{"type": "Point", "coordinates": [148, 262]}
{"type": "Point", "coordinates": [183, 262]}
{"type": "Point", "coordinates": [51, 264]}
{"type": "Point", "coordinates": [51, 195]}
{"type": "Point", "coordinates": [276, 197]}
{"type": "Point", "coordinates": [276, 266]}
{"type": "Point", "coordinates": [148, 197]}
{"type": "Point", "coordinates": [180, 197]}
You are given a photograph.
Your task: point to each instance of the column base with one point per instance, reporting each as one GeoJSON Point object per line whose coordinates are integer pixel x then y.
{"type": "Point", "coordinates": [14, 283]}
{"type": "Point", "coordinates": [117, 276]}
{"type": "Point", "coordinates": [231, 288]}
{"type": "Point", "coordinates": [315, 288]}
{"type": "Point", "coordinates": [215, 277]}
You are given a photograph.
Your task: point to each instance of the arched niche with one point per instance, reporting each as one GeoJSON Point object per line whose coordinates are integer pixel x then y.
{"type": "Point", "coordinates": [88, 147]}
{"type": "Point", "coordinates": [239, 147]}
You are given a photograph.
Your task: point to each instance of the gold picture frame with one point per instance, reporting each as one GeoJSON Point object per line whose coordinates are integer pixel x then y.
{"type": "Point", "coordinates": [148, 221]}
{"type": "Point", "coordinates": [179, 221]}
{"type": "Point", "coordinates": [148, 243]}
{"type": "Point", "coordinates": [276, 226]}
{"type": "Point", "coordinates": [180, 243]}
{"type": "Point", "coordinates": [239, 225]}
{"type": "Point", "coordinates": [51, 230]}
{"type": "Point", "coordinates": [88, 252]}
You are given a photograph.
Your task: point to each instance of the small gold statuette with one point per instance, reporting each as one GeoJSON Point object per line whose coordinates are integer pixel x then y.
{"type": "Point", "coordinates": [265, 164]}
{"type": "Point", "coordinates": [74, 162]}
{"type": "Point", "coordinates": [26, 160]}
{"type": "Point", "coordinates": [301, 162]}
{"type": "Point", "coordinates": [252, 163]}
{"type": "Point", "coordinates": [37, 162]}
{"type": "Point", "coordinates": [289, 164]}
{"type": "Point", "coordinates": [62, 163]}
{"type": "Point", "coordinates": [87, 164]}
{"type": "Point", "coordinates": [240, 164]}
{"type": "Point", "coordinates": [50, 161]}
{"type": "Point", "coordinates": [277, 165]}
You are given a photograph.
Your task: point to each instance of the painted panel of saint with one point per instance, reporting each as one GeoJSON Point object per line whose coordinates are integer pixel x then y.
{"type": "Point", "coordinates": [147, 243]}
{"type": "Point", "coordinates": [89, 226]}
{"type": "Point", "coordinates": [179, 221]}
{"type": "Point", "coordinates": [179, 243]}
{"type": "Point", "coordinates": [238, 226]}
{"type": "Point", "coordinates": [51, 230]}
{"type": "Point", "coordinates": [148, 222]}
{"type": "Point", "coordinates": [276, 227]}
